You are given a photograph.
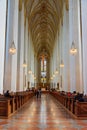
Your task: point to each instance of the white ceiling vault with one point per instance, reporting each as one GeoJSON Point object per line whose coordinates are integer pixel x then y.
{"type": "Point", "coordinates": [44, 18]}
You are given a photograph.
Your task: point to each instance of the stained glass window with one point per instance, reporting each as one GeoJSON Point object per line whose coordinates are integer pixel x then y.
{"type": "Point", "coordinates": [43, 70]}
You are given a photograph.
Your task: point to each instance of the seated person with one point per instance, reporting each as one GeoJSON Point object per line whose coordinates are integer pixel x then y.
{"type": "Point", "coordinates": [77, 96]}
{"type": "Point", "coordinates": [81, 99]}
{"type": "Point", "coordinates": [7, 94]}
{"type": "Point", "coordinates": [74, 93]}
{"type": "Point", "coordinates": [69, 94]}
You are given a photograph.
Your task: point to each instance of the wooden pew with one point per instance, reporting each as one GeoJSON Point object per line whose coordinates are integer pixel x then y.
{"type": "Point", "coordinates": [81, 109]}
{"type": "Point", "coordinates": [9, 105]}
{"type": "Point", "coordinates": [6, 107]}
{"type": "Point", "coordinates": [76, 108]}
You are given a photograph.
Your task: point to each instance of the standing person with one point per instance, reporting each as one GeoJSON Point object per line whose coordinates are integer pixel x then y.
{"type": "Point", "coordinates": [40, 92]}
{"type": "Point", "coordinates": [37, 93]}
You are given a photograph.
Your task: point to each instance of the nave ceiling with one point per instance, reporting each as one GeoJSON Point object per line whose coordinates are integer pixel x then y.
{"type": "Point", "coordinates": [44, 18]}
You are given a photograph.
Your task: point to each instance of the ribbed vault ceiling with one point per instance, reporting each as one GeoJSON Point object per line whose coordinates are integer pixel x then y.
{"type": "Point", "coordinates": [44, 18]}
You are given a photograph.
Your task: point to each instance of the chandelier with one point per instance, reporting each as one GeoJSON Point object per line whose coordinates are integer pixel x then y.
{"type": "Point", "coordinates": [30, 71]}
{"type": "Point", "coordinates": [73, 49]}
{"type": "Point", "coordinates": [61, 64]}
{"type": "Point", "coordinates": [56, 72]}
{"type": "Point", "coordinates": [24, 64]}
{"type": "Point", "coordinates": [12, 49]}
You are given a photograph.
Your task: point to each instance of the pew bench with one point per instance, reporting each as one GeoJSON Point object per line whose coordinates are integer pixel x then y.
{"type": "Point", "coordinates": [10, 105]}
{"type": "Point", "coordinates": [6, 107]}
{"type": "Point", "coordinates": [81, 110]}
{"type": "Point", "coordinates": [75, 108]}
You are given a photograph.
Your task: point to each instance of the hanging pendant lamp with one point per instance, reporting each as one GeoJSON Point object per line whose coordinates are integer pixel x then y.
{"type": "Point", "coordinates": [24, 64]}
{"type": "Point", "coordinates": [61, 64]}
{"type": "Point", "coordinates": [73, 49]}
{"type": "Point", "coordinates": [12, 49]}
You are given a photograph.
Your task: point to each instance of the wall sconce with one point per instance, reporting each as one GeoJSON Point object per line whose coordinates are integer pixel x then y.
{"type": "Point", "coordinates": [12, 49]}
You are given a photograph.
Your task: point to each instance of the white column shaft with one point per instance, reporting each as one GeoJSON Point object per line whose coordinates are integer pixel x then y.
{"type": "Point", "coordinates": [2, 40]}
{"type": "Point", "coordinates": [15, 39]}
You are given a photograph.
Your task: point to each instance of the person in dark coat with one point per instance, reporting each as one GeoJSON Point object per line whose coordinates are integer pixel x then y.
{"type": "Point", "coordinates": [37, 93]}
{"type": "Point", "coordinates": [7, 94]}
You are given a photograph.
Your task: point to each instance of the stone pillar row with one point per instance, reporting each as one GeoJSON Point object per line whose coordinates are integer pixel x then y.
{"type": "Point", "coordinates": [13, 76]}
{"type": "Point", "coordinates": [70, 78]}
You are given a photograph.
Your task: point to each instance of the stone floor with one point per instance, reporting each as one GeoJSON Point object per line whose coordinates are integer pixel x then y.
{"type": "Point", "coordinates": [44, 113]}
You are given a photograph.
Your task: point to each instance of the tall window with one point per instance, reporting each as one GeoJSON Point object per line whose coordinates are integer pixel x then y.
{"type": "Point", "coordinates": [43, 70]}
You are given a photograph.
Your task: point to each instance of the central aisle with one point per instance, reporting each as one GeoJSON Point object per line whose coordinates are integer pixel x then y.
{"type": "Point", "coordinates": [42, 114]}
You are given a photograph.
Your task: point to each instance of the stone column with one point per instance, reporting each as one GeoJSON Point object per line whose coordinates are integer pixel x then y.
{"type": "Point", "coordinates": [15, 39]}
{"type": "Point", "coordinates": [26, 53]}
{"type": "Point", "coordinates": [59, 50]}
{"type": "Point", "coordinates": [72, 58]}
{"type": "Point", "coordinates": [61, 57]}
{"type": "Point", "coordinates": [32, 65]}
{"type": "Point", "coordinates": [77, 40]}
{"type": "Point", "coordinates": [48, 75]}
{"type": "Point", "coordinates": [66, 54]}
{"type": "Point", "coordinates": [28, 67]}
{"type": "Point", "coordinates": [75, 36]}
{"type": "Point", "coordinates": [21, 48]}
{"type": "Point", "coordinates": [2, 40]}
{"type": "Point", "coordinates": [36, 70]}
{"type": "Point", "coordinates": [19, 51]}
{"type": "Point", "coordinates": [9, 40]}
{"type": "Point", "coordinates": [84, 42]}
